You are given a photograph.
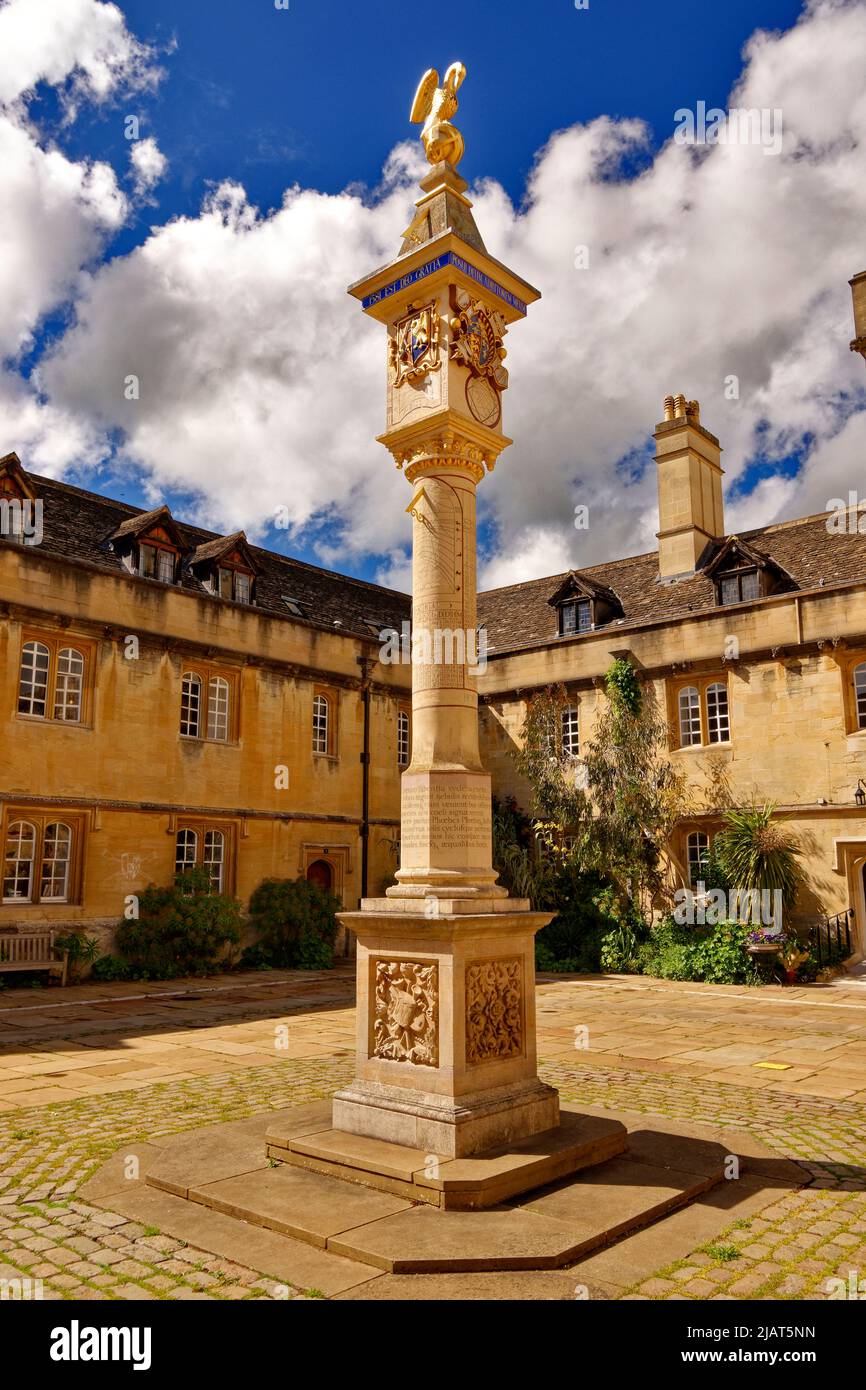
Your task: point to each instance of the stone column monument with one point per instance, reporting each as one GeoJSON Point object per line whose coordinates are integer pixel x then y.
{"type": "Point", "coordinates": [446, 1022]}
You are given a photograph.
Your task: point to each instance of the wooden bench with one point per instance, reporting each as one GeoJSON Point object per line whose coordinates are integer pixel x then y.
{"type": "Point", "coordinates": [32, 951]}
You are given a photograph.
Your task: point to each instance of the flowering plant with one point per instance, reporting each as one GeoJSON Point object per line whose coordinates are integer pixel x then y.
{"type": "Point", "coordinates": [792, 955]}
{"type": "Point", "coordinates": [763, 936]}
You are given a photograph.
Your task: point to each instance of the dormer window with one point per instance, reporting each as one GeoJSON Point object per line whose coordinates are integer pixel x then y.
{"type": "Point", "coordinates": [575, 617]}
{"type": "Point", "coordinates": [226, 568]}
{"type": "Point", "coordinates": [582, 604]}
{"type": "Point", "coordinates": [739, 587]}
{"type": "Point", "coordinates": [20, 511]}
{"type": "Point", "coordinates": [150, 545]}
{"type": "Point", "coordinates": [741, 573]}
{"type": "Point", "coordinates": [235, 584]}
{"type": "Point", "coordinates": [157, 562]}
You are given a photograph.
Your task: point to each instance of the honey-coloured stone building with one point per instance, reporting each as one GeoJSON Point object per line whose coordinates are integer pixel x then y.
{"type": "Point", "coordinates": [172, 697]}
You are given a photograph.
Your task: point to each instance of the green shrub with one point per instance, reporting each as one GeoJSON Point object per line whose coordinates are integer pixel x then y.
{"type": "Point", "coordinates": [666, 953]}
{"type": "Point", "coordinates": [546, 961]}
{"type": "Point", "coordinates": [619, 949]}
{"type": "Point", "coordinates": [80, 950]}
{"type": "Point", "coordinates": [183, 930]}
{"type": "Point", "coordinates": [588, 915]}
{"type": "Point", "coordinates": [722, 958]}
{"type": "Point", "coordinates": [296, 922]}
{"type": "Point", "coordinates": [110, 968]}
{"type": "Point", "coordinates": [715, 955]}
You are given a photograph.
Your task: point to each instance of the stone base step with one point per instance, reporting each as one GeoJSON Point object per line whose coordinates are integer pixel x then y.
{"type": "Point", "coordinates": [223, 1173]}
{"type": "Point", "coordinates": [454, 1184]}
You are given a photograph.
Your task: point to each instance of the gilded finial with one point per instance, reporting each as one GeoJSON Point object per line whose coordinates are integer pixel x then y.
{"type": "Point", "coordinates": [435, 105]}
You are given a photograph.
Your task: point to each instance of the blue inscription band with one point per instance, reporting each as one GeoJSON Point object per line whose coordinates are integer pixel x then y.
{"type": "Point", "coordinates": [449, 258]}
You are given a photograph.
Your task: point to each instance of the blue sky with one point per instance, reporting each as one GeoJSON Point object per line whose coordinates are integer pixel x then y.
{"type": "Point", "coordinates": [317, 96]}
{"type": "Point", "coordinates": [320, 93]}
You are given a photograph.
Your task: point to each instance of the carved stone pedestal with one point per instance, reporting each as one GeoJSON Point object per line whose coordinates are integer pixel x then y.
{"type": "Point", "coordinates": [446, 1028]}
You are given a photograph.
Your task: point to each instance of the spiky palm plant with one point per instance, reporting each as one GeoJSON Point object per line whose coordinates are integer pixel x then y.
{"type": "Point", "coordinates": [756, 852]}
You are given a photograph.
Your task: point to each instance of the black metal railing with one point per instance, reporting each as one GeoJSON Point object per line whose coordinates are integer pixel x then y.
{"type": "Point", "coordinates": [832, 938]}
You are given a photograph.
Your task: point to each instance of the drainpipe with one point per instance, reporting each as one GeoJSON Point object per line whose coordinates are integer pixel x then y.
{"type": "Point", "coordinates": [365, 665]}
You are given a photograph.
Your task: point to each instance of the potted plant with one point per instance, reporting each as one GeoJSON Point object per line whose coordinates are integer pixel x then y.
{"type": "Point", "coordinates": [763, 945]}
{"type": "Point", "coordinates": [792, 956]}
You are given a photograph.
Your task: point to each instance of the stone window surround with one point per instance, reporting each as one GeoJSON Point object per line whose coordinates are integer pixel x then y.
{"type": "Point", "coordinates": [227, 828]}
{"type": "Point", "coordinates": [849, 665]}
{"type": "Point", "coordinates": [331, 697]}
{"type": "Point", "coordinates": [701, 683]}
{"type": "Point", "coordinates": [404, 713]}
{"type": "Point", "coordinates": [207, 673]}
{"type": "Point", "coordinates": [57, 641]}
{"type": "Point", "coordinates": [41, 818]}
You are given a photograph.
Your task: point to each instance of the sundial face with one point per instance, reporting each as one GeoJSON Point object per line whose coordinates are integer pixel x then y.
{"type": "Point", "coordinates": [483, 400]}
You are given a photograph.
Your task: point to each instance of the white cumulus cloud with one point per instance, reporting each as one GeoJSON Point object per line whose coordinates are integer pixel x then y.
{"type": "Point", "coordinates": [82, 47]}
{"type": "Point", "coordinates": [59, 212]}
{"type": "Point", "coordinates": [262, 384]}
{"type": "Point", "coordinates": [148, 164]}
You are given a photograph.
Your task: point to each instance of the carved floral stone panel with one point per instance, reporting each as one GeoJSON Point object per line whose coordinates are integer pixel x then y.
{"type": "Point", "coordinates": [406, 1012]}
{"type": "Point", "coordinates": [494, 1009]}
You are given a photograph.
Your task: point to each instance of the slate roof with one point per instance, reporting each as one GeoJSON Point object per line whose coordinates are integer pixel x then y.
{"type": "Point", "coordinates": [520, 615]}
{"type": "Point", "coordinates": [79, 524]}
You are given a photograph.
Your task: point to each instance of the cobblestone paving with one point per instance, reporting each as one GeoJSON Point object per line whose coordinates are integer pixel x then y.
{"type": "Point", "coordinates": [83, 1252]}
{"type": "Point", "coordinates": [78, 1251]}
{"type": "Point", "coordinates": [797, 1243]}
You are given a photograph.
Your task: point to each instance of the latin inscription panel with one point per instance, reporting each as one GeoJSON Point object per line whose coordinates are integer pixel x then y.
{"type": "Point", "coordinates": [446, 816]}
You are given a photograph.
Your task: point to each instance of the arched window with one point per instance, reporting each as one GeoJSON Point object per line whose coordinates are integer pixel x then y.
{"type": "Point", "coordinates": [33, 682]}
{"type": "Point", "coordinates": [56, 858]}
{"type": "Point", "coordinates": [204, 847]}
{"type": "Point", "coordinates": [218, 708]}
{"type": "Point", "coordinates": [570, 732]}
{"type": "Point", "coordinates": [19, 862]}
{"type": "Point", "coordinates": [190, 705]}
{"type": "Point", "coordinates": [402, 739]}
{"type": "Point", "coordinates": [321, 724]}
{"type": "Point", "coordinates": [718, 719]}
{"type": "Point", "coordinates": [697, 849]}
{"type": "Point", "coordinates": [860, 694]}
{"type": "Point", "coordinates": [69, 685]}
{"type": "Point", "coordinates": [186, 851]}
{"type": "Point", "coordinates": [690, 717]}
{"type": "Point", "coordinates": [214, 858]}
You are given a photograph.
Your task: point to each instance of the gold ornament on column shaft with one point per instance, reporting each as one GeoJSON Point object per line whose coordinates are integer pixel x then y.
{"type": "Point", "coordinates": [435, 105]}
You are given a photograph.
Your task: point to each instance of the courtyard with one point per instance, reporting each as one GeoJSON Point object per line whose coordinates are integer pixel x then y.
{"type": "Point", "coordinates": [94, 1071]}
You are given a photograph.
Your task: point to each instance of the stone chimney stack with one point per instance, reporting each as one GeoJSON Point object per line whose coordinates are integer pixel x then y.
{"type": "Point", "coordinates": [858, 293]}
{"type": "Point", "coordinates": [691, 514]}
